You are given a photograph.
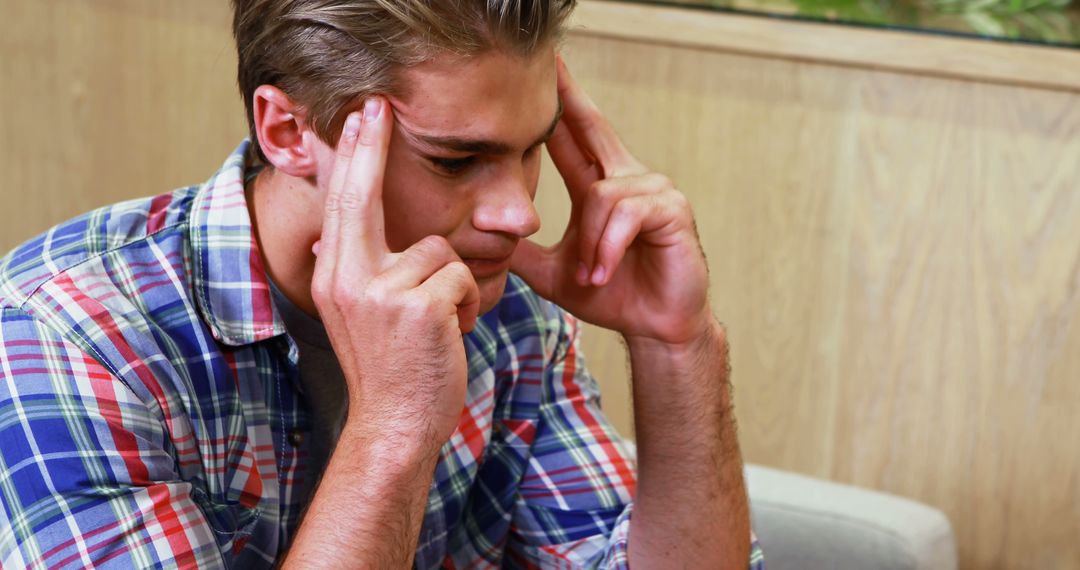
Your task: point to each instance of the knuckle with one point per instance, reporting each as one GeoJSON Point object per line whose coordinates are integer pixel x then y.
{"type": "Point", "coordinates": [609, 244]}
{"type": "Point", "coordinates": [420, 306]}
{"type": "Point", "coordinates": [601, 188]}
{"type": "Point", "coordinates": [320, 292]}
{"type": "Point", "coordinates": [430, 249]}
{"type": "Point", "coordinates": [679, 200]}
{"type": "Point", "coordinates": [378, 294]}
{"type": "Point", "coordinates": [333, 202]}
{"type": "Point", "coordinates": [343, 294]}
{"type": "Point", "coordinates": [343, 156]}
{"type": "Point", "coordinates": [602, 196]}
{"type": "Point", "coordinates": [625, 209]}
{"type": "Point", "coordinates": [345, 148]}
{"type": "Point", "coordinates": [340, 201]}
{"type": "Point", "coordinates": [658, 182]}
{"type": "Point", "coordinates": [436, 244]}
{"type": "Point", "coordinates": [459, 271]}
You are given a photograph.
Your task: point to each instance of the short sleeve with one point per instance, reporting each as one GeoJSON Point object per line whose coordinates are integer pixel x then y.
{"type": "Point", "coordinates": [87, 478]}
{"type": "Point", "coordinates": [575, 501]}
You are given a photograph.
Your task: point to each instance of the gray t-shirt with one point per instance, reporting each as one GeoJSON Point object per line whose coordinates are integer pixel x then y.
{"type": "Point", "coordinates": [322, 384]}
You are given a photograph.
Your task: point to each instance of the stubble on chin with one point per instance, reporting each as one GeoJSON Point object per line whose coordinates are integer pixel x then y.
{"type": "Point", "coordinates": [491, 291]}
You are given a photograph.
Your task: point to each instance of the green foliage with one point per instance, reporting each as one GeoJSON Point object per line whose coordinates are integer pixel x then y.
{"type": "Point", "coordinates": [1045, 21]}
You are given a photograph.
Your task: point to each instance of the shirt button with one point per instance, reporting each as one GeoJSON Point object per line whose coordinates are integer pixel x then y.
{"type": "Point", "coordinates": [296, 438]}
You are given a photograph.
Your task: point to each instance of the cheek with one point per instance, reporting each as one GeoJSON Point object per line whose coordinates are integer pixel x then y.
{"type": "Point", "coordinates": [417, 204]}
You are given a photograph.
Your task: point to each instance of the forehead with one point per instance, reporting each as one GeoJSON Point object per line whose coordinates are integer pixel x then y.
{"type": "Point", "coordinates": [491, 96]}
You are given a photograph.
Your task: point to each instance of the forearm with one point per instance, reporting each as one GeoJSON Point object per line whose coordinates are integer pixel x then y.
{"type": "Point", "coordinates": [368, 508]}
{"type": "Point", "coordinates": [691, 506]}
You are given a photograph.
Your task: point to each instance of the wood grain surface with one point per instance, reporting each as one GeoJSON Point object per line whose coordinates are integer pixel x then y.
{"type": "Point", "coordinates": [896, 255]}
{"type": "Point", "coordinates": [897, 258]}
{"type": "Point", "coordinates": [907, 51]}
{"type": "Point", "coordinates": [107, 100]}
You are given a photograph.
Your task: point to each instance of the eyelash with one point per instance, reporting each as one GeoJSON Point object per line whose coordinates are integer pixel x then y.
{"type": "Point", "coordinates": [456, 166]}
{"type": "Point", "coordinates": [452, 166]}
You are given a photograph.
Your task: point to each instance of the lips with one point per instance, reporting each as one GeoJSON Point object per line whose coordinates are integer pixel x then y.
{"type": "Point", "coordinates": [487, 266]}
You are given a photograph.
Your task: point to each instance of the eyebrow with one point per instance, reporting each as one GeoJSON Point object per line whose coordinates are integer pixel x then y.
{"type": "Point", "coordinates": [480, 146]}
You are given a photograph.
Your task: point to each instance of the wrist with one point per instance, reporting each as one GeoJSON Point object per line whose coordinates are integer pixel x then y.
{"type": "Point", "coordinates": [672, 374]}
{"type": "Point", "coordinates": [704, 335]}
{"type": "Point", "coordinates": [676, 385]}
{"type": "Point", "coordinates": [389, 450]}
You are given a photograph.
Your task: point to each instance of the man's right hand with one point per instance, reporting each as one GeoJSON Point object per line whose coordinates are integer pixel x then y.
{"type": "Point", "coordinates": [395, 320]}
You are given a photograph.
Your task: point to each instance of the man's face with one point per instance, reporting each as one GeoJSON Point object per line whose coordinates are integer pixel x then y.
{"type": "Point", "coordinates": [464, 158]}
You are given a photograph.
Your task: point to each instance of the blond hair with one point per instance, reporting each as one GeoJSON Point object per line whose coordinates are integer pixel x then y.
{"type": "Point", "coordinates": [325, 53]}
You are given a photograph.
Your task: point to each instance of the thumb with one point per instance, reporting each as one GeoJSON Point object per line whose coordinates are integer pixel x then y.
{"type": "Point", "coordinates": [539, 266]}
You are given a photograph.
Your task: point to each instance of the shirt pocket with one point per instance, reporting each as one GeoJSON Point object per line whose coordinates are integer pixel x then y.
{"type": "Point", "coordinates": [228, 521]}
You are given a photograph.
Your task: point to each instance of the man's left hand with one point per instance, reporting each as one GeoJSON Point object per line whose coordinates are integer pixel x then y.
{"type": "Point", "coordinates": [630, 259]}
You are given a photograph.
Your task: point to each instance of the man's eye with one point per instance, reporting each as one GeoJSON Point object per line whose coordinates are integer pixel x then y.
{"type": "Point", "coordinates": [452, 165]}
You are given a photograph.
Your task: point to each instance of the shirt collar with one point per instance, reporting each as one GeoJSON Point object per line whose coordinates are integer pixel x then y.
{"type": "Point", "coordinates": [232, 289]}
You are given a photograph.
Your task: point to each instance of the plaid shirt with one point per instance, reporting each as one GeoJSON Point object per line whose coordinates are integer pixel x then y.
{"type": "Point", "coordinates": [150, 413]}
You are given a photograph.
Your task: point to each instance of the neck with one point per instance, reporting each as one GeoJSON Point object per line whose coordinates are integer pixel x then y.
{"type": "Point", "coordinates": [285, 214]}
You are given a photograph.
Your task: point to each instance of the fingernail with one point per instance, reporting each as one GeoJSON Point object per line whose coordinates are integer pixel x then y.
{"type": "Point", "coordinates": [372, 109]}
{"type": "Point", "coordinates": [352, 126]}
{"type": "Point", "coordinates": [598, 275]}
{"type": "Point", "coordinates": [582, 273]}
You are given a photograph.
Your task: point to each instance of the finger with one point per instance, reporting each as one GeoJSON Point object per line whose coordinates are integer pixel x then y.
{"type": "Point", "coordinates": [455, 285]}
{"type": "Point", "coordinates": [355, 202]}
{"type": "Point", "coordinates": [332, 217]}
{"type": "Point", "coordinates": [657, 220]}
{"type": "Point", "coordinates": [591, 129]}
{"type": "Point", "coordinates": [539, 266]}
{"type": "Point", "coordinates": [622, 229]}
{"type": "Point", "coordinates": [417, 263]}
{"type": "Point", "coordinates": [577, 168]}
{"type": "Point", "coordinates": [603, 198]}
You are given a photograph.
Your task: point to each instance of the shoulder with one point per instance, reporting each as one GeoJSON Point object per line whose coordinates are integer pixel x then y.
{"type": "Point", "coordinates": [100, 232]}
{"type": "Point", "coordinates": [101, 282]}
{"type": "Point", "coordinates": [40, 361]}
{"type": "Point", "coordinates": [54, 381]}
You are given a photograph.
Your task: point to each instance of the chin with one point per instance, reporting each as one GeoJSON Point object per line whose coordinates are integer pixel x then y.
{"type": "Point", "coordinates": [491, 291]}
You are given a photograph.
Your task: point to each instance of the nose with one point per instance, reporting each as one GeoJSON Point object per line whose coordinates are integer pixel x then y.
{"type": "Point", "coordinates": [507, 207]}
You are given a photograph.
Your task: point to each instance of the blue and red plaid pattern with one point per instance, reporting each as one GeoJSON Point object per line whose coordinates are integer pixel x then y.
{"type": "Point", "coordinates": [149, 411]}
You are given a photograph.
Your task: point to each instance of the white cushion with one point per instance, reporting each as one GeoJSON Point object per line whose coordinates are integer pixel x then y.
{"type": "Point", "coordinates": [808, 523]}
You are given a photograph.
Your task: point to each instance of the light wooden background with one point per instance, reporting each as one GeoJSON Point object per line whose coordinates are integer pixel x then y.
{"type": "Point", "coordinates": [105, 100]}
{"type": "Point", "coordinates": [897, 255]}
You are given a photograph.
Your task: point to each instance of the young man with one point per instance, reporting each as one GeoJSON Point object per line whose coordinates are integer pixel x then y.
{"type": "Point", "coordinates": [319, 358]}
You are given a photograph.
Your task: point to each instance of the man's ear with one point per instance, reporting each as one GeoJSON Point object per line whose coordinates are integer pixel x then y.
{"type": "Point", "coordinates": [284, 134]}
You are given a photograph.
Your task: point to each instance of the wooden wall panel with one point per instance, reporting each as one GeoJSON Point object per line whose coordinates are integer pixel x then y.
{"type": "Point", "coordinates": [109, 100]}
{"type": "Point", "coordinates": [897, 258]}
